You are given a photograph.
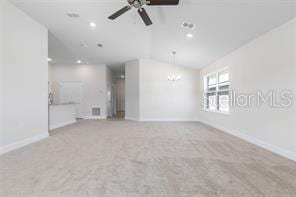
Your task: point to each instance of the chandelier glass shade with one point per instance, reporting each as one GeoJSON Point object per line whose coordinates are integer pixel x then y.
{"type": "Point", "coordinates": [174, 76]}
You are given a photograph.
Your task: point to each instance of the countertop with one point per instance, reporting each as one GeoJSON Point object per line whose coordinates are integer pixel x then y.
{"type": "Point", "coordinates": [59, 104]}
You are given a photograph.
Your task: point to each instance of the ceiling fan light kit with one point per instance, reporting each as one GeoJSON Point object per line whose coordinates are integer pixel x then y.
{"type": "Point", "coordinates": [139, 4]}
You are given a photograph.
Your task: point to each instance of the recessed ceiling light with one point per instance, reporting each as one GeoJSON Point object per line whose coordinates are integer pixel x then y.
{"type": "Point", "coordinates": [99, 45]}
{"type": "Point", "coordinates": [92, 24]}
{"type": "Point", "coordinates": [49, 59]}
{"type": "Point", "coordinates": [189, 35]}
{"type": "Point", "coordinates": [78, 61]}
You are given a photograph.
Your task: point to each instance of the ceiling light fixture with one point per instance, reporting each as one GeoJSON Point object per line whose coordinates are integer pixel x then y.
{"type": "Point", "coordinates": [49, 59]}
{"type": "Point", "coordinates": [92, 24]}
{"type": "Point", "coordinates": [174, 76]}
{"type": "Point", "coordinates": [78, 61]}
{"type": "Point", "coordinates": [189, 35]}
{"type": "Point", "coordinates": [122, 76]}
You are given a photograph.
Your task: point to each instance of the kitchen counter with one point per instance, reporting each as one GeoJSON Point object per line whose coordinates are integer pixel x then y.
{"type": "Point", "coordinates": [61, 115]}
{"type": "Point", "coordinates": [57, 104]}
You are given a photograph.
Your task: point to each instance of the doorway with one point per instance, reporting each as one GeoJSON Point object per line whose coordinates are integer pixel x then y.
{"type": "Point", "coordinates": [118, 90]}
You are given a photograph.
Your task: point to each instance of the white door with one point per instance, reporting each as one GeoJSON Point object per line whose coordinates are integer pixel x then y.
{"type": "Point", "coordinates": [73, 92]}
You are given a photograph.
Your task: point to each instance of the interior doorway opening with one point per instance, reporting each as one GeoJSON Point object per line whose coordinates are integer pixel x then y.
{"type": "Point", "coordinates": [118, 96]}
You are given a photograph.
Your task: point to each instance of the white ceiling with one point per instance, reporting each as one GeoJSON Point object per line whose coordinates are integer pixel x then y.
{"type": "Point", "coordinates": [222, 26]}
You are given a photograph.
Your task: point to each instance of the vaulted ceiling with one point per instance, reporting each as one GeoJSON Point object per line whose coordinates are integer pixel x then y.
{"type": "Point", "coordinates": [221, 27]}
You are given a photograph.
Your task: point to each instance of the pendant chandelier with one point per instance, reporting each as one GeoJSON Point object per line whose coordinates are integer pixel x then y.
{"type": "Point", "coordinates": [174, 76]}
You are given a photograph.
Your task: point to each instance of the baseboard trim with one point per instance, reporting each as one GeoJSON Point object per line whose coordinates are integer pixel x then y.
{"type": "Point", "coordinates": [62, 124]}
{"type": "Point", "coordinates": [168, 120]}
{"type": "Point", "coordinates": [275, 149]}
{"type": "Point", "coordinates": [161, 120]}
{"type": "Point", "coordinates": [22, 143]}
{"type": "Point", "coordinates": [132, 119]}
{"type": "Point", "coordinates": [95, 117]}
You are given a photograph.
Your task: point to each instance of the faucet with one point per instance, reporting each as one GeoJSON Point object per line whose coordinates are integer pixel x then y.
{"type": "Point", "coordinates": [50, 98]}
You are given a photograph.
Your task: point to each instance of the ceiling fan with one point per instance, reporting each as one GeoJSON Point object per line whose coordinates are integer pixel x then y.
{"type": "Point", "coordinates": [139, 4]}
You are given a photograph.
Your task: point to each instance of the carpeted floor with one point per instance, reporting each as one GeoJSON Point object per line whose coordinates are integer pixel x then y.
{"type": "Point", "coordinates": [133, 159]}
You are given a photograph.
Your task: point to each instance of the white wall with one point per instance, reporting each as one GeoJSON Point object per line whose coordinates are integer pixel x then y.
{"type": "Point", "coordinates": [132, 91]}
{"type": "Point", "coordinates": [109, 91]}
{"type": "Point", "coordinates": [161, 99]}
{"type": "Point", "coordinates": [294, 87]}
{"type": "Point", "coordinates": [24, 79]}
{"type": "Point", "coordinates": [1, 64]}
{"type": "Point", "coordinates": [151, 97]}
{"type": "Point", "coordinates": [267, 63]}
{"type": "Point", "coordinates": [49, 79]}
{"type": "Point", "coordinates": [94, 79]}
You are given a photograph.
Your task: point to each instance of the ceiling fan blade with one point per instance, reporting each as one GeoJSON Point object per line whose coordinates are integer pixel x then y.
{"type": "Point", "coordinates": [145, 16]}
{"type": "Point", "coordinates": [120, 12]}
{"type": "Point", "coordinates": [162, 2]}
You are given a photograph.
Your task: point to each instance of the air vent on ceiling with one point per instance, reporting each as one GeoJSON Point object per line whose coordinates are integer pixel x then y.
{"type": "Point", "coordinates": [73, 15]}
{"type": "Point", "coordinates": [96, 111]}
{"type": "Point", "coordinates": [188, 25]}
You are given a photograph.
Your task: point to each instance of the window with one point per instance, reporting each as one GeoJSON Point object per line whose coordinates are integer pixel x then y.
{"type": "Point", "coordinates": [216, 91]}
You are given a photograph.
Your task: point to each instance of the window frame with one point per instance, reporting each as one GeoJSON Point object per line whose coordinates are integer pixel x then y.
{"type": "Point", "coordinates": [216, 92]}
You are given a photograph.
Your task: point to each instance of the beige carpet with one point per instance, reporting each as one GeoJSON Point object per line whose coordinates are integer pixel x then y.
{"type": "Point", "coordinates": [131, 159]}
